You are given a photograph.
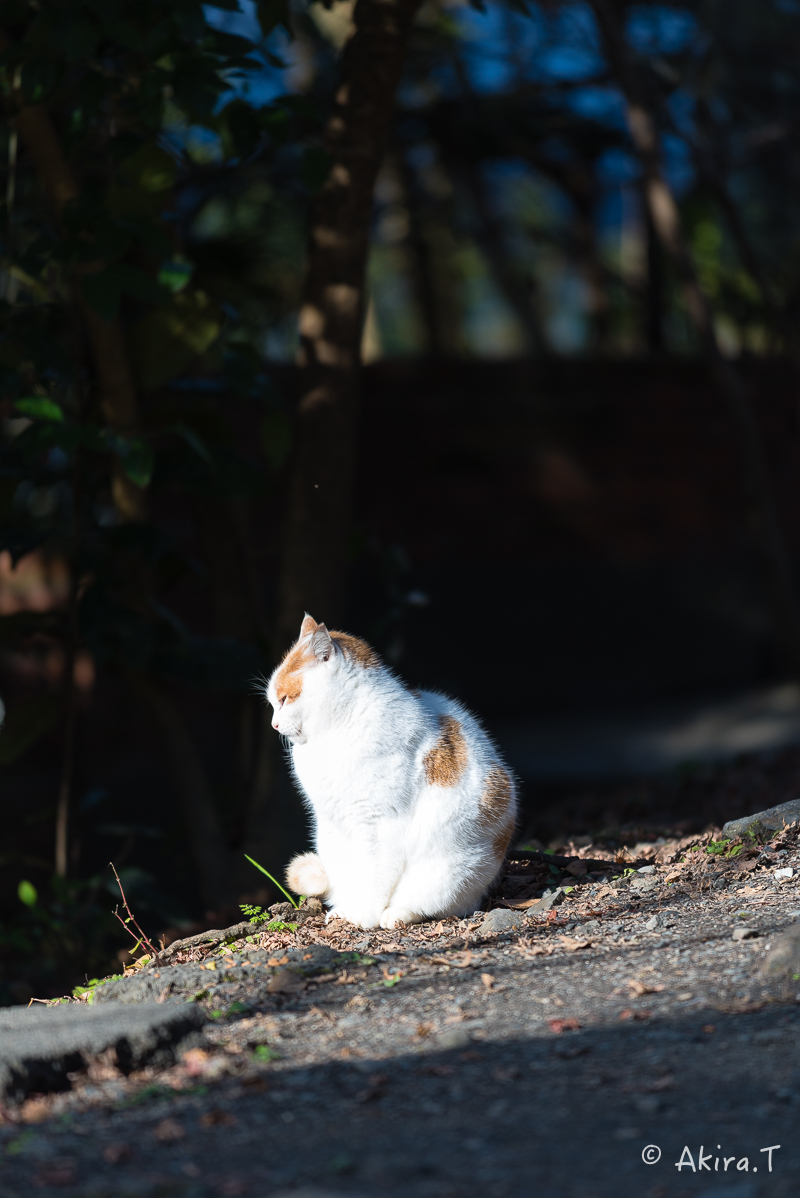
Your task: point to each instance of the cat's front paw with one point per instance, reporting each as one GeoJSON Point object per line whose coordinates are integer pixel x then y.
{"type": "Point", "coordinates": [392, 917]}
{"type": "Point", "coordinates": [368, 920]}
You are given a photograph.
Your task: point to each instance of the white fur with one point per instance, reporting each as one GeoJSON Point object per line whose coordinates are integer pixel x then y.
{"type": "Point", "coordinates": [392, 848]}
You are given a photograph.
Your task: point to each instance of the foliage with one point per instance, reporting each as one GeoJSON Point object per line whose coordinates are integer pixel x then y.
{"type": "Point", "coordinates": [724, 848]}
{"type": "Point", "coordinates": [92, 986]}
{"type": "Point", "coordinates": [52, 936]}
{"type": "Point", "coordinates": [132, 90]}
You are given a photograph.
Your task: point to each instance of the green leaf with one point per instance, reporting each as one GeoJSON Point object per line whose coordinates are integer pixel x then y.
{"type": "Point", "coordinates": [175, 275]}
{"type": "Point", "coordinates": [27, 894]}
{"type": "Point", "coordinates": [150, 168]}
{"type": "Point", "coordinates": [263, 1052]}
{"type": "Point", "coordinates": [166, 341]}
{"type": "Point", "coordinates": [39, 408]}
{"type": "Point", "coordinates": [138, 462]}
{"type": "Point", "coordinates": [25, 723]}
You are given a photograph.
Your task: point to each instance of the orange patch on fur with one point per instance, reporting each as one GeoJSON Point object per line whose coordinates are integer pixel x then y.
{"type": "Point", "coordinates": [501, 840]}
{"type": "Point", "coordinates": [497, 795]}
{"type": "Point", "coordinates": [289, 679]}
{"type": "Point", "coordinates": [356, 649]}
{"type": "Point", "coordinates": [446, 761]}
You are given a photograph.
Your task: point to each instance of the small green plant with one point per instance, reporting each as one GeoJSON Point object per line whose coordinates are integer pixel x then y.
{"type": "Point", "coordinates": [263, 1052]}
{"type": "Point", "coordinates": [274, 881]}
{"type": "Point", "coordinates": [92, 986]}
{"type": "Point", "coordinates": [724, 848]}
{"type": "Point", "coordinates": [259, 915]}
{"type": "Point", "coordinates": [254, 914]}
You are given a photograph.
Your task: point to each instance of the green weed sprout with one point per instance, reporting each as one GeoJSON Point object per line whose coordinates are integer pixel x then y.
{"type": "Point", "coordinates": [273, 880]}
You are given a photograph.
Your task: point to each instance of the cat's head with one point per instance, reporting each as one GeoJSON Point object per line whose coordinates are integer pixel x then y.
{"type": "Point", "coordinates": [313, 677]}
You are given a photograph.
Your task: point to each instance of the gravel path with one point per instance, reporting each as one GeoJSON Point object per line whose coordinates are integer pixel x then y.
{"type": "Point", "coordinates": [449, 1060]}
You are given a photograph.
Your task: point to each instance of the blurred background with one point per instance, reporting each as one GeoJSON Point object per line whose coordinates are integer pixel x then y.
{"type": "Point", "coordinates": [573, 478]}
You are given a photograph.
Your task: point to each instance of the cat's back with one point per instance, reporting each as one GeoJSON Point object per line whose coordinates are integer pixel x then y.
{"type": "Point", "coordinates": [456, 745]}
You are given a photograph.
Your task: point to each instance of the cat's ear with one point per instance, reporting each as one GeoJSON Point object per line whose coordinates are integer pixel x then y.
{"type": "Point", "coordinates": [308, 626]}
{"type": "Point", "coordinates": [321, 643]}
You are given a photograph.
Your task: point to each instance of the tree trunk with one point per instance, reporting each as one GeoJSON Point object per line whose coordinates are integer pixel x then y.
{"type": "Point", "coordinates": [117, 391]}
{"type": "Point", "coordinates": [315, 546]}
{"type": "Point", "coordinates": [663, 210]}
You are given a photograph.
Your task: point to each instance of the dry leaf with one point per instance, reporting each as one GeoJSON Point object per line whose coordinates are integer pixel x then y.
{"type": "Point", "coordinates": [629, 1013]}
{"type": "Point", "coordinates": [114, 1154]}
{"type": "Point", "coordinates": [59, 1172]}
{"type": "Point", "coordinates": [423, 1030]}
{"type": "Point", "coordinates": [557, 1026]}
{"type": "Point", "coordinates": [640, 988]}
{"type": "Point", "coordinates": [323, 1014]}
{"type": "Point", "coordinates": [537, 950]}
{"type": "Point", "coordinates": [572, 945]}
{"type": "Point", "coordinates": [488, 980]}
{"type": "Point", "coordinates": [286, 982]}
{"type": "Point", "coordinates": [34, 1110]}
{"type": "Point", "coordinates": [168, 1131]}
{"type": "Point", "coordinates": [217, 1118]}
{"type": "Point", "coordinates": [195, 1061]}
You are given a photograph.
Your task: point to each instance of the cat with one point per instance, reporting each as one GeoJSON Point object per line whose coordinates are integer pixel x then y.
{"type": "Point", "coordinates": [413, 808]}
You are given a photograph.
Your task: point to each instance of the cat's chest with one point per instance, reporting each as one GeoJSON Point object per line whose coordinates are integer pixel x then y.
{"type": "Point", "coordinates": [335, 766]}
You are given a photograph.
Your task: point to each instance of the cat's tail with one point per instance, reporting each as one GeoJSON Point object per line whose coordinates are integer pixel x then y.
{"type": "Point", "coordinates": [305, 874]}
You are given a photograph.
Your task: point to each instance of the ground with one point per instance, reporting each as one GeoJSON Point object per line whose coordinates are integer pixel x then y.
{"type": "Point", "coordinates": [448, 1060]}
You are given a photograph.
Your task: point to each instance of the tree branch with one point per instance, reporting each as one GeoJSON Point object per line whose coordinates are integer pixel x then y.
{"type": "Point", "coordinates": [315, 544]}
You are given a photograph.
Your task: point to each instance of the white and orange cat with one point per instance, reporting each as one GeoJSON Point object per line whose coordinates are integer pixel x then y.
{"type": "Point", "coordinates": [412, 806]}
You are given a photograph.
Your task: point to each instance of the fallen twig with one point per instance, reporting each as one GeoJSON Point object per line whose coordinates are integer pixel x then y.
{"type": "Point", "coordinates": [554, 859]}
{"type": "Point", "coordinates": [211, 938]}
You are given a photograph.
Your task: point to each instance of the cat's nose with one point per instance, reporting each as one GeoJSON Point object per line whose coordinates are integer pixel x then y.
{"type": "Point", "coordinates": [275, 726]}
